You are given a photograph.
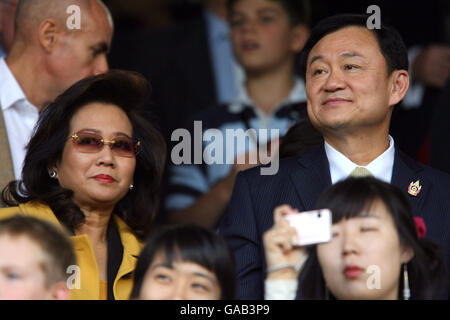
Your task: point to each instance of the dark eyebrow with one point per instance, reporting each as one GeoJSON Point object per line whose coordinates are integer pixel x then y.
{"type": "Point", "coordinates": [204, 275]}
{"type": "Point", "coordinates": [117, 133]}
{"type": "Point", "coordinates": [351, 54]}
{"type": "Point", "coordinates": [101, 47]}
{"type": "Point", "coordinates": [170, 266]}
{"type": "Point", "coordinates": [313, 59]}
{"type": "Point", "coordinates": [268, 10]}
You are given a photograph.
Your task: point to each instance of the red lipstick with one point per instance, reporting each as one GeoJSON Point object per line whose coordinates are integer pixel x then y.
{"type": "Point", "coordinates": [351, 272]}
{"type": "Point", "coordinates": [104, 178]}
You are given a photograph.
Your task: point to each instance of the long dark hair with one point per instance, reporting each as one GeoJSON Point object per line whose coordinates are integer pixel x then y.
{"type": "Point", "coordinates": [189, 243]}
{"type": "Point", "coordinates": [130, 92]}
{"type": "Point", "coordinates": [347, 199]}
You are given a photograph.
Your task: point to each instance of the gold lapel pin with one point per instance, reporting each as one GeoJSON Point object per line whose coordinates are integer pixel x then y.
{"type": "Point", "coordinates": [414, 188]}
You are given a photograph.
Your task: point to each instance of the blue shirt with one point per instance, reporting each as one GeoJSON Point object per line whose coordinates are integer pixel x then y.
{"type": "Point", "coordinates": [187, 182]}
{"type": "Point", "coordinates": [227, 72]}
{"type": "Point", "coordinates": [2, 53]}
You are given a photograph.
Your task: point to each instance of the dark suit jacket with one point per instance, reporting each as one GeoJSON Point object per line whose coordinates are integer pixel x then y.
{"type": "Point", "coordinates": [299, 183]}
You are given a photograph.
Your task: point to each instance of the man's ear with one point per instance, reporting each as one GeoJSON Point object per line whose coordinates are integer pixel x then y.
{"type": "Point", "coordinates": [59, 291]}
{"type": "Point", "coordinates": [300, 35]}
{"type": "Point", "coordinates": [399, 86]}
{"type": "Point", "coordinates": [49, 33]}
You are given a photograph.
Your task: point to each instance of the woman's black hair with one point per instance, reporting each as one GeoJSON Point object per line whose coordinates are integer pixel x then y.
{"type": "Point", "coordinates": [188, 243]}
{"type": "Point", "coordinates": [130, 92]}
{"type": "Point", "coordinates": [301, 138]}
{"type": "Point", "coordinates": [348, 199]}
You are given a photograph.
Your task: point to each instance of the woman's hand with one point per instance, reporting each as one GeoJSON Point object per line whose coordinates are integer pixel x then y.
{"type": "Point", "coordinates": [279, 247]}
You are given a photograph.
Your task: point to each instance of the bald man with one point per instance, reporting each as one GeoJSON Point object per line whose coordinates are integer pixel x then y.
{"type": "Point", "coordinates": [45, 59]}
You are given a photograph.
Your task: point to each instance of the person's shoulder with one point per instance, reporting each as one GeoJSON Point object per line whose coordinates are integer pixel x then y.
{"type": "Point", "coordinates": [33, 208]}
{"type": "Point", "coordinates": [216, 116]}
{"type": "Point", "coordinates": [285, 168]}
{"type": "Point", "coordinates": [437, 176]}
{"type": "Point", "coordinates": [432, 174]}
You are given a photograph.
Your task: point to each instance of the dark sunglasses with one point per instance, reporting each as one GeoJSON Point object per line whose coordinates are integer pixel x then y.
{"type": "Point", "coordinates": [87, 142]}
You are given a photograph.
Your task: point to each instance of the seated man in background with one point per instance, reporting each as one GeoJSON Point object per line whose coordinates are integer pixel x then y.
{"type": "Point", "coordinates": [34, 260]}
{"type": "Point", "coordinates": [47, 57]}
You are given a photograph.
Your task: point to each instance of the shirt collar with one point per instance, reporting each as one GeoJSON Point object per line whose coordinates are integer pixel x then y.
{"type": "Point", "coordinates": [341, 167]}
{"type": "Point", "coordinates": [217, 27]}
{"type": "Point", "coordinates": [242, 99]}
{"type": "Point", "coordinates": [10, 90]}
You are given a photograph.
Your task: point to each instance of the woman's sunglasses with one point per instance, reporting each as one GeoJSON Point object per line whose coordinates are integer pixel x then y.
{"type": "Point", "coordinates": [90, 143]}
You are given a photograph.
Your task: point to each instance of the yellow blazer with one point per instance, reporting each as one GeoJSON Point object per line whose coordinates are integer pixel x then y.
{"type": "Point", "coordinates": [89, 274]}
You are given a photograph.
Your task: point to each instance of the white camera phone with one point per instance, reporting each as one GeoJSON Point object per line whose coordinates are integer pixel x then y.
{"type": "Point", "coordinates": [312, 226]}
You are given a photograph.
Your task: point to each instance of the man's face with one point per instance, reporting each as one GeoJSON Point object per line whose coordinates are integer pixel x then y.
{"type": "Point", "coordinates": [21, 274]}
{"type": "Point", "coordinates": [82, 53]}
{"type": "Point", "coordinates": [347, 85]}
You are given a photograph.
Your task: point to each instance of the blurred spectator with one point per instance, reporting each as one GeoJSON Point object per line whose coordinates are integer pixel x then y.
{"type": "Point", "coordinates": [190, 66]}
{"type": "Point", "coordinates": [373, 227]}
{"type": "Point", "coordinates": [45, 59]}
{"type": "Point", "coordinates": [184, 262]}
{"type": "Point", "coordinates": [143, 14]}
{"type": "Point", "coordinates": [266, 36]}
{"type": "Point", "coordinates": [35, 256]}
{"type": "Point", "coordinates": [7, 11]}
{"type": "Point", "coordinates": [440, 132]}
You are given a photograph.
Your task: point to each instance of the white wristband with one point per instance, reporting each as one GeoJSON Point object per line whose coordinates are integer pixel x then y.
{"type": "Point", "coordinates": [297, 267]}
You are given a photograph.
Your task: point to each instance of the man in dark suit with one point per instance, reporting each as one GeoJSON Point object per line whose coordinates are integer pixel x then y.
{"type": "Point", "coordinates": [354, 77]}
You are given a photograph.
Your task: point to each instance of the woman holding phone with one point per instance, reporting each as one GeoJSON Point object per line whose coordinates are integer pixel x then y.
{"type": "Point", "coordinates": [377, 250]}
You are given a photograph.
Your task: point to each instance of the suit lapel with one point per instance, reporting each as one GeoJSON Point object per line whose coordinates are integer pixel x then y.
{"type": "Point", "coordinates": [6, 165]}
{"type": "Point", "coordinates": [312, 178]}
{"type": "Point", "coordinates": [405, 172]}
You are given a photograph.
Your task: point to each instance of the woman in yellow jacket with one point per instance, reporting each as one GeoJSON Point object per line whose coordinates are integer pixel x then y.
{"type": "Point", "coordinates": [94, 166]}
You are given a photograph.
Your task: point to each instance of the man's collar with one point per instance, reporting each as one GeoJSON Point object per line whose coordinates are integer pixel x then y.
{"type": "Point", "coordinates": [341, 167]}
{"type": "Point", "coordinates": [242, 99]}
{"type": "Point", "coordinates": [10, 90]}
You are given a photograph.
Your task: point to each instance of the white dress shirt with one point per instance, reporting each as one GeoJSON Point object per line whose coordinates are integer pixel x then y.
{"type": "Point", "coordinates": [341, 167]}
{"type": "Point", "coordinates": [20, 116]}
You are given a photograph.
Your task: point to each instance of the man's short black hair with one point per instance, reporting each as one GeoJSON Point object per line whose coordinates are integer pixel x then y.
{"type": "Point", "coordinates": [299, 11]}
{"type": "Point", "coordinates": [389, 40]}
